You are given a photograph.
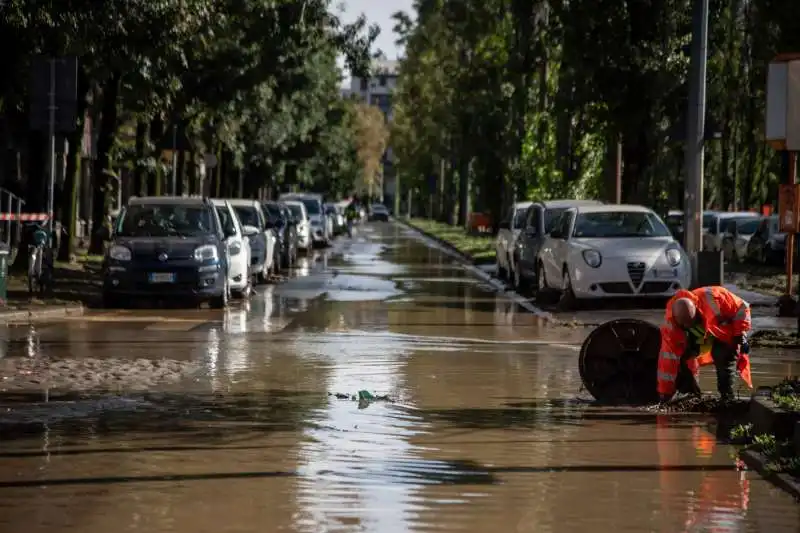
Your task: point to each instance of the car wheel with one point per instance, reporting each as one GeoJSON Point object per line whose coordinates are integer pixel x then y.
{"type": "Point", "coordinates": [520, 283]}
{"type": "Point", "coordinates": [221, 301]}
{"type": "Point", "coordinates": [111, 301]}
{"type": "Point", "coordinates": [568, 300]}
{"type": "Point", "coordinates": [543, 292]}
{"type": "Point", "coordinates": [502, 274]}
{"type": "Point", "coordinates": [244, 293]}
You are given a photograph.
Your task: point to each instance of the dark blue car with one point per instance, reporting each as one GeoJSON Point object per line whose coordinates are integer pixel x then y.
{"type": "Point", "coordinates": [167, 248]}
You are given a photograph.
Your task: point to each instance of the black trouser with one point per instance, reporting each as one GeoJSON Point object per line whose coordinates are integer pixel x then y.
{"type": "Point", "coordinates": [724, 357]}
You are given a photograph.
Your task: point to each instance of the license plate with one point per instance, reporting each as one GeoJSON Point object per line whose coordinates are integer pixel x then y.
{"type": "Point", "coordinates": [665, 273]}
{"type": "Point", "coordinates": [162, 277]}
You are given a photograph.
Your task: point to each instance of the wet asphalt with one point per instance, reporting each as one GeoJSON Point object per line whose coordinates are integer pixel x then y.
{"type": "Point", "coordinates": [242, 421]}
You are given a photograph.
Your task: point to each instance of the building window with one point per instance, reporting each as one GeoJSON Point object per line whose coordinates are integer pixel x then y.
{"type": "Point", "coordinates": [382, 81]}
{"type": "Point", "coordinates": [363, 84]}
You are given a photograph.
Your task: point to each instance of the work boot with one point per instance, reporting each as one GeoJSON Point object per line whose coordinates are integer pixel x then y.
{"type": "Point", "coordinates": [724, 362]}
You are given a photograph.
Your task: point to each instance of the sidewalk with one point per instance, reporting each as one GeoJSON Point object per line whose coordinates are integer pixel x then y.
{"type": "Point", "coordinates": [18, 311]}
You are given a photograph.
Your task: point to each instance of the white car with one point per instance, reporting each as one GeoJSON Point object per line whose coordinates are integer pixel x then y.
{"type": "Point", "coordinates": [298, 209]}
{"type": "Point", "coordinates": [715, 225]}
{"type": "Point", "coordinates": [611, 251]}
{"type": "Point", "coordinates": [263, 239]}
{"type": "Point", "coordinates": [737, 237]}
{"type": "Point", "coordinates": [238, 243]}
{"type": "Point", "coordinates": [510, 228]}
{"type": "Point", "coordinates": [321, 226]}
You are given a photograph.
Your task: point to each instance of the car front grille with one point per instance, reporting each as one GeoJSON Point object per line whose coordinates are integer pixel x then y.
{"type": "Point", "coordinates": [655, 287]}
{"type": "Point", "coordinates": [616, 288]}
{"type": "Point", "coordinates": [636, 272]}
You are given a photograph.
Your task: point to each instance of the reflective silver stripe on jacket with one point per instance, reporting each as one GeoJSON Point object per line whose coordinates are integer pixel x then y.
{"type": "Point", "coordinates": [741, 313]}
{"type": "Point", "coordinates": [712, 302]}
{"type": "Point", "coordinates": [669, 355]}
{"type": "Point", "coordinates": [663, 376]}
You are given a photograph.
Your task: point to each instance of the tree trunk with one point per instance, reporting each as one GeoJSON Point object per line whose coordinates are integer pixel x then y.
{"type": "Point", "coordinates": [105, 141]}
{"type": "Point", "coordinates": [139, 172]}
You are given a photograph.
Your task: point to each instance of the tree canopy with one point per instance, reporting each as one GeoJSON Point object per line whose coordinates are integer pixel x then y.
{"type": "Point", "coordinates": [253, 82]}
{"type": "Point", "coordinates": [505, 99]}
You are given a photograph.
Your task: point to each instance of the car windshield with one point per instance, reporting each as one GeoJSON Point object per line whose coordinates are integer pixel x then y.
{"type": "Point", "coordinates": [377, 208]}
{"type": "Point", "coordinates": [163, 220]}
{"type": "Point", "coordinates": [296, 210]}
{"type": "Point", "coordinates": [708, 219]}
{"type": "Point", "coordinates": [248, 215]}
{"type": "Point", "coordinates": [748, 227]}
{"type": "Point", "coordinates": [519, 218]}
{"type": "Point", "coordinates": [312, 206]}
{"type": "Point", "coordinates": [613, 224]}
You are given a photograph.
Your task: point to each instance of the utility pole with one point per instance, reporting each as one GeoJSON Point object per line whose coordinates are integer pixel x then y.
{"type": "Point", "coordinates": [174, 160]}
{"type": "Point", "coordinates": [695, 136]}
{"type": "Point", "coordinates": [51, 149]}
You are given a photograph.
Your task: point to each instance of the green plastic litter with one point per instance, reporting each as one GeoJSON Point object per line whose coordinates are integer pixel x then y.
{"type": "Point", "coordinates": [364, 395]}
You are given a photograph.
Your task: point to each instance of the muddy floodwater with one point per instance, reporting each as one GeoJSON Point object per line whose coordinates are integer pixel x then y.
{"type": "Point", "coordinates": [241, 421]}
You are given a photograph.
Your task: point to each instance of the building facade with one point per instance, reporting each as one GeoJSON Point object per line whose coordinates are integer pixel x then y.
{"type": "Point", "coordinates": [378, 91]}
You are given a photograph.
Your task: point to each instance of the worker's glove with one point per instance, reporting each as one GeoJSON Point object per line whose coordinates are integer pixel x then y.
{"type": "Point", "coordinates": [741, 343]}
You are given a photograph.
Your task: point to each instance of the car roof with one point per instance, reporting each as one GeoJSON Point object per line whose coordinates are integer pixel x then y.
{"type": "Point", "coordinates": [244, 202]}
{"type": "Point", "coordinates": [566, 204]}
{"type": "Point", "coordinates": [738, 214]}
{"type": "Point", "coordinates": [623, 208]}
{"type": "Point", "coordinates": [168, 200]}
{"type": "Point", "coordinates": [522, 205]}
{"type": "Point", "coordinates": [295, 202]}
{"type": "Point", "coordinates": [219, 202]}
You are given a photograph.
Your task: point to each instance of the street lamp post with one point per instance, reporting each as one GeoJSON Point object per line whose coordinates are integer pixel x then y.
{"type": "Point", "coordinates": [693, 193]}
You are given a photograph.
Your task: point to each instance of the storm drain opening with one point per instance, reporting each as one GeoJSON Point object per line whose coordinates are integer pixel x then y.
{"type": "Point", "coordinates": [618, 362]}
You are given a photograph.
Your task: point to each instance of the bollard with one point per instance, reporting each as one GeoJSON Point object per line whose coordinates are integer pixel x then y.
{"type": "Point", "coordinates": [618, 362]}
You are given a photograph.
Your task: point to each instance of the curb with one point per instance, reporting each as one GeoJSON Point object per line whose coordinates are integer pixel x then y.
{"type": "Point", "coordinates": [468, 265]}
{"type": "Point", "coordinates": [45, 313]}
{"type": "Point", "coordinates": [758, 463]}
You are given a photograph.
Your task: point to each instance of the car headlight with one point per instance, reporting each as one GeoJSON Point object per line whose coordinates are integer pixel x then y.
{"type": "Point", "coordinates": [673, 257]}
{"type": "Point", "coordinates": [119, 253]}
{"type": "Point", "coordinates": [235, 248]}
{"type": "Point", "coordinates": [206, 253]}
{"type": "Point", "coordinates": [592, 258]}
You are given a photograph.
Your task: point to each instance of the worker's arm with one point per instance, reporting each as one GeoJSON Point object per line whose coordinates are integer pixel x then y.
{"type": "Point", "coordinates": [673, 344]}
{"type": "Point", "coordinates": [731, 318]}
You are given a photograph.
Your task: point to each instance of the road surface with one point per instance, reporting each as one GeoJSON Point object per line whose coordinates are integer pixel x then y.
{"type": "Point", "coordinates": [242, 421]}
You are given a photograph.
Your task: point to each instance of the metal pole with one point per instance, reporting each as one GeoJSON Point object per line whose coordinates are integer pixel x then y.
{"type": "Point", "coordinates": [9, 222]}
{"type": "Point", "coordinates": [52, 147]}
{"type": "Point", "coordinates": [618, 176]}
{"type": "Point", "coordinates": [790, 237]}
{"type": "Point", "coordinates": [174, 160]}
{"type": "Point", "coordinates": [693, 193]}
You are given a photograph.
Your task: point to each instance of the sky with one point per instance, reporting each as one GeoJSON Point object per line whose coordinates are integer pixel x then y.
{"type": "Point", "coordinates": [378, 12]}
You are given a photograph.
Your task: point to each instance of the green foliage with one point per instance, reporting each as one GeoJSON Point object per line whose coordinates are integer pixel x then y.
{"type": "Point", "coordinates": [533, 98]}
{"type": "Point", "coordinates": [253, 81]}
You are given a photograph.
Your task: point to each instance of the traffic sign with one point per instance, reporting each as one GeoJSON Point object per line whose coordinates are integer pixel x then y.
{"type": "Point", "coordinates": [210, 160]}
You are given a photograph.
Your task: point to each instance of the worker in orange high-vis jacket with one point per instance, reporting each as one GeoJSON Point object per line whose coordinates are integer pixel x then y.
{"type": "Point", "coordinates": [703, 326]}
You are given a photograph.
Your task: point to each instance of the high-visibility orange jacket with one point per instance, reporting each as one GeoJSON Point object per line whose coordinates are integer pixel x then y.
{"type": "Point", "coordinates": [724, 317]}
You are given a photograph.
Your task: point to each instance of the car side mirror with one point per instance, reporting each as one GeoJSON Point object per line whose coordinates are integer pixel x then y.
{"type": "Point", "coordinates": [269, 224]}
{"type": "Point", "coordinates": [229, 232]}
{"type": "Point", "coordinates": [250, 231]}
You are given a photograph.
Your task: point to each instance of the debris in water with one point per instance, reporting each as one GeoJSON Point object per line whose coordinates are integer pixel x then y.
{"type": "Point", "coordinates": [699, 404]}
{"type": "Point", "coordinates": [362, 396]}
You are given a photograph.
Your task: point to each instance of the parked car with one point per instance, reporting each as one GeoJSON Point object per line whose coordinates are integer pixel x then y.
{"type": "Point", "coordinates": [283, 225]}
{"type": "Point", "coordinates": [539, 220]}
{"type": "Point", "coordinates": [378, 212]}
{"type": "Point", "coordinates": [262, 240]}
{"type": "Point", "coordinates": [674, 221]}
{"type": "Point", "coordinates": [715, 225]}
{"type": "Point", "coordinates": [510, 228]}
{"type": "Point", "coordinates": [609, 251]}
{"type": "Point", "coordinates": [238, 243]}
{"type": "Point", "coordinates": [320, 228]}
{"type": "Point", "coordinates": [167, 247]}
{"type": "Point", "coordinates": [337, 220]}
{"type": "Point", "coordinates": [302, 224]}
{"type": "Point", "coordinates": [738, 233]}
{"type": "Point", "coordinates": [768, 243]}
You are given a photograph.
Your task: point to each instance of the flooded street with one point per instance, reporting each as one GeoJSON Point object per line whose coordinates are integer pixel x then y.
{"type": "Point", "coordinates": [230, 422]}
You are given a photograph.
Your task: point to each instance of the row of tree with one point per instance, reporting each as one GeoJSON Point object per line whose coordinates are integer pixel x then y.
{"type": "Point", "coordinates": [255, 83]}
{"type": "Point", "coordinates": [512, 99]}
